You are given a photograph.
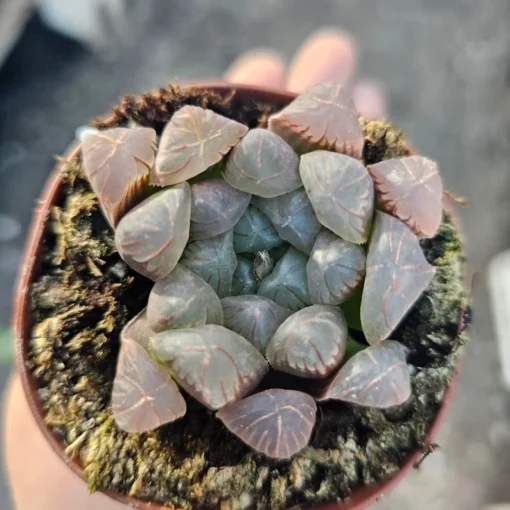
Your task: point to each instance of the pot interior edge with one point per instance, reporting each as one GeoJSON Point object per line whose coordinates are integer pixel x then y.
{"type": "Point", "coordinates": [23, 321]}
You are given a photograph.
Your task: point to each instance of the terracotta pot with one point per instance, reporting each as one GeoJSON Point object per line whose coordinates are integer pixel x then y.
{"type": "Point", "coordinates": [23, 322]}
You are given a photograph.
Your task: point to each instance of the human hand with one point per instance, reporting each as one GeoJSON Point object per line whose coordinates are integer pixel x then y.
{"type": "Point", "coordinates": [39, 479]}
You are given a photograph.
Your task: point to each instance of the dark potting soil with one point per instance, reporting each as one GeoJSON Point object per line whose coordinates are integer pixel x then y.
{"type": "Point", "coordinates": [85, 294]}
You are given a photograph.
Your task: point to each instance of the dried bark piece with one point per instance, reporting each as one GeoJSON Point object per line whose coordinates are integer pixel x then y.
{"type": "Point", "coordinates": [397, 274]}
{"type": "Point", "coordinates": [277, 423]}
{"type": "Point", "coordinates": [244, 280]}
{"type": "Point", "coordinates": [287, 284]}
{"type": "Point", "coordinates": [263, 164]}
{"type": "Point", "coordinates": [144, 396]}
{"type": "Point", "coordinates": [193, 140]}
{"type": "Point", "coordinates": [375, 377]}
{"type": "Point", "coordinates": [310, 343]}
{"type": "Point", "coordinates": [293, 217]}
{"type": "Point", "coordinates": [117, 163]}
{"type": "Point", "coordinates": [254, 232]}
{"type": "Point", "coordinates": [151, 238]}
{"type": "Point", "coordinates": [183, 300]}
{"type": "Point", "coordinates": [341, 192]}
{"type": "Point", "coordinates": [215, 208]}
{"type": "Point", "coordinates": [335, 269]}
{"type": "Point", "coordinates": [411, 189]}
{"type": "Point", "coordinates": [213, 364]}
{"type": "Point", "coordinates": [322, 117]}
{"type": "Point", "coordinates": [255, 318]}
{"type": "Point", "coordinates": [214, 261]}
{"type": "Point", "coordinates": [138, 329]}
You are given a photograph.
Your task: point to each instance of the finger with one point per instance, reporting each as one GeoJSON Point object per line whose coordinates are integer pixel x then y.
{"type": "Point", "coordinates": [38, 478]}
{"type": "Point", "coordinates": [260, 67]}
{"type": "Point", "coordinates": [370, 100]}
{"type": "Point", "coordinates": [326, 55]}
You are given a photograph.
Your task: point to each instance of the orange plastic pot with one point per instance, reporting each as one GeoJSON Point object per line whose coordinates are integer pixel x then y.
{"type": "Point", "coordinates": [23, 322]}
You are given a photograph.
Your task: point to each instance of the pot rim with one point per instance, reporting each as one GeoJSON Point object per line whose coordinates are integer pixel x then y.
{"type": "Point", "coordinates": [361, 498]}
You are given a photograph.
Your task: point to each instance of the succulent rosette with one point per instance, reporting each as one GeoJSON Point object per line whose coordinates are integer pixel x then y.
{"type": "Point", "coordinates": [275, 252]}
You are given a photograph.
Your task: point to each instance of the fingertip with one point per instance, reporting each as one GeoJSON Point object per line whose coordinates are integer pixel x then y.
{"type": "Point", "coordinates": [260, 67]}
{"type": "Point", "coordinates": [370, 100]}
{"type": "Point", "coordinates": [328, 54]}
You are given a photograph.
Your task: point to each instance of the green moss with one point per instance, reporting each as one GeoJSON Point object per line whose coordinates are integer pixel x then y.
{"type": "Point", "coordinates": [86, 294]}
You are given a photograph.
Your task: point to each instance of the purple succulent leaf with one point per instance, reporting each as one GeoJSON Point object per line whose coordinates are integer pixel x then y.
{"type": "Point", "coordinates": [213, 364]}
{"type": "Point", "coordinates": [151, 238]}
{"type": "Point", "coordinates": [277, 423]}
{"type": "Point", "coordinates": [117, 163]}
{"type": "Point", "coordinates": [411, 190]}
{"type": "Point", "coordinates": [255, 318]}
{"type": "Point", "coordinates": [341, 192]}
{"type": "Point", "coordinates": [144, 396]}
{"type": "Point", "coordinates": [215, 208]}
{"type": "Point", "coordinates": [254, 232]}
{"type": "Point", "coordinates": [138, 329]}
{"type": "Point", "coordinates": [263, 164]}
{"type": "Point", "coordinates": [335, 269]}
{"type": "Point", "coordinates": [322, 117]}
{"type": "Point", "coordinates": [293, 217]}
{"type": "Point", "coordinates": [397, 274]}
{"type": "Point", "coordinates": [310, 343]}
{"type": "Point", "coordinates": [214, 261]}
{"type": "Point", "coordinates": [375, 377]}
{"type": "Point", "coordinates": [183, 300]}
{"type": "Point", "coordinates": [193, 140]}
{"type": "Point", "coordinates": [244, 280]}
{"type": "Point", "coordinates": [287, 284]}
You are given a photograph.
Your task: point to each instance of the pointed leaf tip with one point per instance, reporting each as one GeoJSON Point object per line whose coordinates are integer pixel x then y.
{"type": "Point", "coordinates": [277, 423]}
{"type": "Point", "coordinates": [151, 238]}
{"type": "Point", "coordinates": [193, 140]}
{"type": "Point", "coordinates": [322, 117]}
{"type": "Point", "coordinates": [117, 163]}
{"type": "Point", "coordinates": [411, 189]}
{"type": "Point", "coordinates": [397, 275]}
{"type": "Point", "coordinates": [213, 364]}
{"type": "Point", "coordinates": [375, 377]}
{"type": "Point", "coordinates": [144, 396]}
{"type": "Point", "coordinates": [310, 343]}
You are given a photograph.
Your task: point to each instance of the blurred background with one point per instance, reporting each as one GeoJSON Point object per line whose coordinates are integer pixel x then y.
{"type": "Point", "coordinates": [445, 66]}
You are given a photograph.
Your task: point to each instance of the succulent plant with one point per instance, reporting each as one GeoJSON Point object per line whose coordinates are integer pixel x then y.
{"type": "Point", "coordinates": [251, 266]}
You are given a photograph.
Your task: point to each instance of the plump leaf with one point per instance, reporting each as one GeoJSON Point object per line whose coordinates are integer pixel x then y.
{"type": "Point", "coordinates": [213, 364]}
{"type": "Point", "coordinates": [341, 192]}
{"type": "Point", "coordinates": [263, 164]}
{"type": "Point", "coordinates": [375, 377]}
{"type": "Point", "coordinates": [193, 140]}
{"type": "Point", "coordinates": [152, 237]}
{"type": "Point", "coordinates": [334, 270]}
{"type": "Point", "coordinates": [293, 217]}
{"type": "Point", "coordinates": [410, 189]}
{"type": "Point", "coordinates": [215, 208]}
{"type": "Point", "coordinates": [117, 163]}
{"type": "Point", "coordinates": [138, 329]}
{"type": "Point", "coordinates": [183, 300]}
{"type": "Point", "coordinates": [277, 423]}
{"type": "Point", "coordinates": [397, 274]}
{"type": "Point", "coordinates": [255, 318]}
{"type": "Point", "coordinates": [255, 232]}
{"type": "Point", "coordinates": [214, 261]}
{"type": "Point", "coordinates": [244, 280]}
{"type": "Point", "coordinates": [287, 284]}
{"type": "Point", "coordinates": [144, 396]}
{"type": "Point", "coordinates": [310, 343]}
{"type": "Point", "coordinates": [322, 117]}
